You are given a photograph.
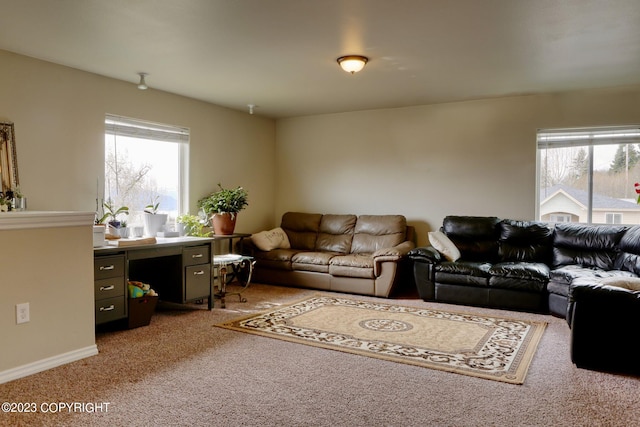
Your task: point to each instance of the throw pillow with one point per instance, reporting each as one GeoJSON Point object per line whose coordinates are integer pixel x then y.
{"type": "Point", "coordinates": [272, 239]}
{"type": "Point", "coordinates": [631, 283]}
{"type": "Point", "coordinates": [444, 245]}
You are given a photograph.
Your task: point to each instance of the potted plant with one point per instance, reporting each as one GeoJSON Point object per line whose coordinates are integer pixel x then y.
{"type": "Point", "coordinates": [110, 217]}
{"type": "Point", "coordinates": [153, 221]}
{"type": "Point", "coordinates": [193, 225]}
{"type": "Point", "coordinates": [19, 200]}
{"type": "Point", "coordinates": [222, 206]}
{"type": "Point", "coordinates": [111, 213]}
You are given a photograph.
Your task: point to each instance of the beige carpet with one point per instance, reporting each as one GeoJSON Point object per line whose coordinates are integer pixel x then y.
{"type": "Point", "coordinates": [488, 347]}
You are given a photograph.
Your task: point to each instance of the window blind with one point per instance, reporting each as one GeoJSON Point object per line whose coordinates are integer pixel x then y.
{"type": "Point", "coordinates": [123, 126]}
{"type": "Point", "coordinates": [557, 138]}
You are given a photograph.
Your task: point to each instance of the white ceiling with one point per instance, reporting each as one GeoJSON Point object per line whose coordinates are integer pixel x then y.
{"type": "Point", "coordinates": [281, 54]}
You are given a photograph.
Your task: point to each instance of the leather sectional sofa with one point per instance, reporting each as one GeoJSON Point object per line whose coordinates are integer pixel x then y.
{"type": "Point", "coordinates": [363, 254]}
{"type": "Point", "coordinates": [523, 265]}
{"type": "Point", "coordinates": [604, 321]}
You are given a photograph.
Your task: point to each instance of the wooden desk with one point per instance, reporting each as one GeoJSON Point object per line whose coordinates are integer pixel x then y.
{"type": "Point", "coordinates": [178, 269]}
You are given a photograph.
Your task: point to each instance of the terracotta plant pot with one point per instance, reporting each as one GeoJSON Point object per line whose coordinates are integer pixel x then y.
{"type": "Point", "coordinates": [223, 223]}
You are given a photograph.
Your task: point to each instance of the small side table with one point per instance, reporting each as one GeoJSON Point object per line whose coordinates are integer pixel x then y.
{"type": "Point", "coordinates": [242, 266]}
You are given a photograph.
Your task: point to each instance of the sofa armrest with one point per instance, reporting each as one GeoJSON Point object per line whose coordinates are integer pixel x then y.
{"type": "Point", "coordinates": [393, 254]}
{"type": "Point", "coordinates": [395, 251]}
{"type": "Point", "coordinates": [425, 254]}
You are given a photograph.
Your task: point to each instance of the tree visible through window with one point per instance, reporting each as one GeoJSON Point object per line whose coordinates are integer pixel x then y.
{"type": "Point", "coordinates": [144, 164]}
{"type": "Point", "coordinates": [587, 175]}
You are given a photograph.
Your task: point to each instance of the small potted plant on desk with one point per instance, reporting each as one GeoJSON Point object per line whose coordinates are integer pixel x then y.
{"type": "Point", "coordinates": [222, 206]}
{"type": "Point", "coordinates": [153, 221]}
{"type": "Point", "coordinates": [110, 217]}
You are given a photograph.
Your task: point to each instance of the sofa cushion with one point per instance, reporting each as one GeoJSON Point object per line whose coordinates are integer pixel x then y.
{"type": "Point", "coordinates": [302, 229]}
{"type": "Point", "coordinates": [568, 274]}
{"type": "Point", "coordinates": [444, 245]}
{"type": "Point", "coordinates": [629, 257]}
{"type": "Point", "coordinates": [475, 237]}
{"type": "Point", "coordinates": [336, 233]}
{"type": "Point", "coordinates": [373, 232]}
{"type": "Point", "coordinates": [312, 261]}
{"type": "Point", "coordinates": [463, 273]}
{"type": "Point", "coordinates": [526, 276]}
{"type": "Point", "coordinates": [587, 245]}
{"type": "Point", "coordinates": [277, 258]}
{"type": "Point", "coordinates": [352, 265]}
{"type": "Point", "coordinates": [271, 239]}
{"type": "Point", "coordinates": [525, 241]}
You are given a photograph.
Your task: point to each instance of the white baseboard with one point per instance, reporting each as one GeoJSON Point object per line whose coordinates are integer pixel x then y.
{"type": "Point", "coordinates": [48, 363]}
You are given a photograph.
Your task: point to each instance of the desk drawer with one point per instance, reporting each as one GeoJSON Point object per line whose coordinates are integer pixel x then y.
{"type": "Point", "coordinates": [108, 266]}
{"type": "Point", "coordinates": [111, 309]}
{"type": "Point", "coordinates": [109, 288]}
{"type": "Point", "coordinates": [196, 255]}
{"type": "Point", "coordinates": [197, 282]}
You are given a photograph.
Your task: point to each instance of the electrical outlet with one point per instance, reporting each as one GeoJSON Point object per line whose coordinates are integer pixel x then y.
{"type": "Point", "coordinates": [22, 313]}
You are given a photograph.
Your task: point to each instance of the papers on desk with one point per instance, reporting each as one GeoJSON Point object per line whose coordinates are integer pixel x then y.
{"type": "Point", "coordinates": [133, 242]}
{"type": "Point", "coordinates": [226, 258]}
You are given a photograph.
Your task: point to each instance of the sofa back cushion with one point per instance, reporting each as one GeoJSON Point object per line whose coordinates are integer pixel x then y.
{"type": "Point", "coordinates": [527, 241]}
{"type": "Point", "coordinates": [373, 232]}
{"type": "Point", "coordinates": [629, 257]}
{"type": "Point", "coordinates": [587, 245]}
{"type": "Point", "coordinates": [476, 237]}
{"type": "Point", "coordinates": [336, 233]}
{"type": "Point", "coordinates": [301, 228]}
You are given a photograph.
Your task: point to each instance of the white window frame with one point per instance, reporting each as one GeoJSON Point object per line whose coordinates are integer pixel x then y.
{"type": "Point", "coordinates": [582, 137]}
{"type": "Point", "coordinates": [136, 128]}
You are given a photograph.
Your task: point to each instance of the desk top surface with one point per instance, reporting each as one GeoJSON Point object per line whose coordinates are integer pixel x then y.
{"type": "Point", "coordinates": [160, 242]}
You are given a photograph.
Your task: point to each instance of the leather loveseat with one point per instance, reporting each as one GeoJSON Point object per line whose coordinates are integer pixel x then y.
{"type": "Point", "coordinates": [523, 265]}
{"type": "Point", "coordinates": [362, 254]}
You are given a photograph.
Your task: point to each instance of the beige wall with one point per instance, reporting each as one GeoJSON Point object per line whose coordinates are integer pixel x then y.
{"type": "Point", "coordinates": [426, 162]}
{"type": "Point", "coordinates": [59, 123]}
{"type": "Point", "coordinates": [51, 268]}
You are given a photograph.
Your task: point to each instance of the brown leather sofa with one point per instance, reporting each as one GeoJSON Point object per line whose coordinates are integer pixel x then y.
{"type": "Point", "coordinates": [345, 253]}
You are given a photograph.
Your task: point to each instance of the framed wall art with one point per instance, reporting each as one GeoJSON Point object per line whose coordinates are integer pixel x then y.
{"type": "Point", "coordinates": [8, 158]}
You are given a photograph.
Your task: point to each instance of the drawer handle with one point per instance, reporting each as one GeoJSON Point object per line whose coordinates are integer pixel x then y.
{"type": "Point", "coordinates": [107, 267]}
{"type": "Point", "coordinates": [196, 256]}
{"type": "Point", "coordinates": [111, 307]}
{"type": "Point", "coordinates": [198, 273]}
{"type": "Point", "coordinates": [107, 288]}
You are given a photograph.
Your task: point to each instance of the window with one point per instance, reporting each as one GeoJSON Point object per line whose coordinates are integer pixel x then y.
{"type": "Point", "coordinates": [613, 218]}
{"type": "Point", "coordinates": [559, 217]}
{"type": "Point", "coordinates": [587, 175]}
{"type": "Point", "coordinates": [145, 162]}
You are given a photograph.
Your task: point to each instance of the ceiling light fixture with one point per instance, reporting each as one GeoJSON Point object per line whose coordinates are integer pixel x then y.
{"type": "Point", "coordinates": [142, 85]}
{"type": "Point", "coordinates": [352, 63]}
{"type": "Point", "coordinates": [251, 107]}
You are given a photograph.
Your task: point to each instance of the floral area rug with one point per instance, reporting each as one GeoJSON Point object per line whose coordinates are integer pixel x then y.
{"type": "Point", "coordinates": [494, 348]}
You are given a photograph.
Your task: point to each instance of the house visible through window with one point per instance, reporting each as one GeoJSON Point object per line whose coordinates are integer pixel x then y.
{"type": "Point", "coordinates": [559, 217]}
{"type": "Point", "coordinates": [145, 164]}
{"type": "Point", "coordinates": [613, 218]}
{"type": "Point", "coordinates": [587, 175]}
